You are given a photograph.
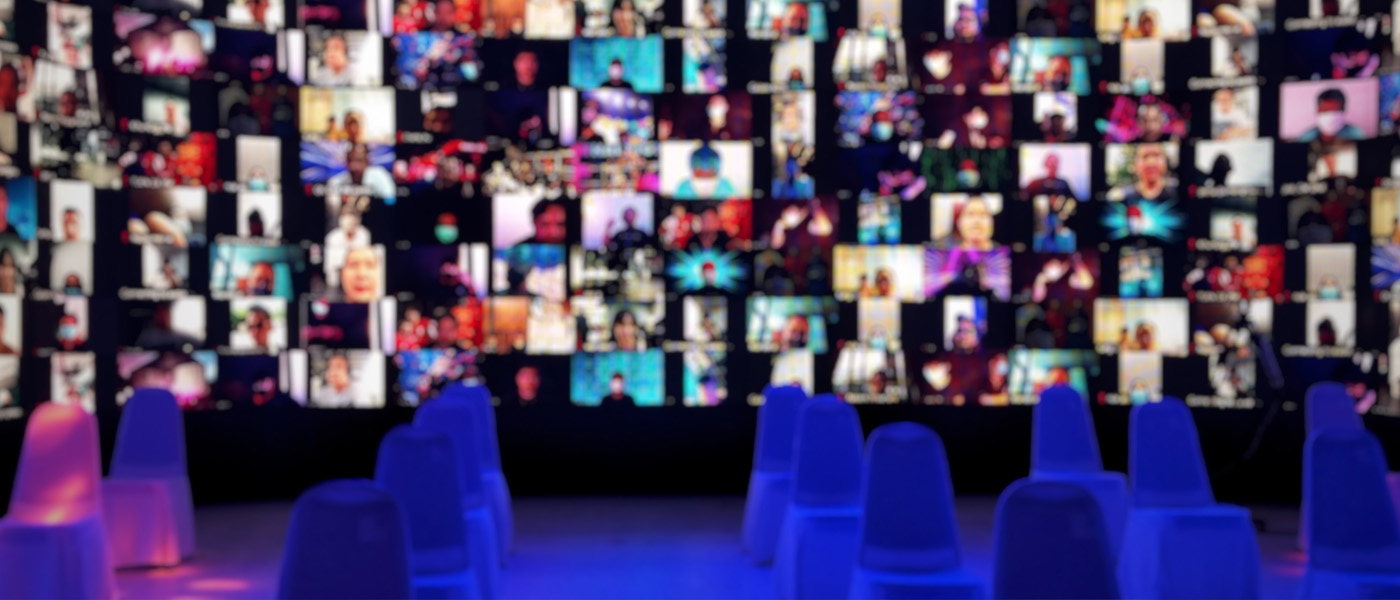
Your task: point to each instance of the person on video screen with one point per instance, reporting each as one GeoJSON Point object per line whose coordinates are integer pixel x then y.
{"type": "Point", "coordinates": [69, 335]}
{"type": "Point", "coordinates": [1150, 168]}
{"type": "Point", "coordinates": [335, 63]}
{"type": "Point", "coordinates": [1145, 27]}
{"type": "Point", "coordinates": [973, 224]}
{"type": "Point", "coordinates": [626, 21]}
{"type": "Point", "coordinates": [1050, 184]}
{"type": "Point", "coordinates": [705, 180]}
{"type": "Point", "coordinates": [795, 334]}
{"type": "Point", "coordinates": [336, 390]}
{"type": "Point", "coordinates": [73, 285]}
{"type": "Point", "coordinates": [527, 385]}
{"type": "Point", "coordinates": [626, 334]}
{"type": "Point", "coordinates": [972, 131]}
{"type": "Point", "coordinates": [1152, 123]}
{"type": "Point", "coordinates": [360, 275]}
{"type": "Point", "coordinates": [160, 333]}
{"type": "Point", "coordinates": [9, 273]}
{"type": "Point", "coordinates": [616, 76]}
{"type": "Point", "coordinates": [261, 280]}
{"type": "Point", "coordinates": [4, 348]}
{"type": "Point", "coordinates": [795, 20]}
{"type": "Point", "coordinates": [1332, 122]}
{"type": "Point", "coordinates": [9, 88]}
{"type": "Point", "coordinates": [711, 234]}
{"type": "Point", "coordinates": [550, 217]}
{"type": "Point", "coordinates": [360, 173]}
{"type": "Point", "coordinates": [717, 119]}
{"type": "Point", "coordinates": [257, 329]}
{"type": "Point", "coordinates": [967, 25]}
{"type": "Point", "coordinates": [629, 238]}
{"type": "Point", "coordinates": [1229, 120]}
{"type": "Point", "coordinates": [527, 69]}
{"type": "Point", "coordinates": [266, 392]}
{"type": "Point", "coordinates": [1353, 56]}
{"type": "Point", "coordinates": [617, 391]}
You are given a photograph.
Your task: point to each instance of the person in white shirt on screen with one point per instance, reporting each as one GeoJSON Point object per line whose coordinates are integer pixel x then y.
{"type": "Point", "coordinates": [359, 172]}
{"type": "Point", "coordinates": [335, 67]}
{"type": "Point", "coordinates": [336, 391]}
{"type": "Point", "coordinates": [1228, 120]}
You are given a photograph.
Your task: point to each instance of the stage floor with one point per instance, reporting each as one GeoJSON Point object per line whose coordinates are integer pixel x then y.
{"type": "Point", "coordinates": [597, 548]}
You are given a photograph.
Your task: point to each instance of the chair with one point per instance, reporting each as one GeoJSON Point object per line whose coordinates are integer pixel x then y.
{"type": "Point", "coordinates": [453, 415]}
{"type": "Point", "coordinates": [817, 544]}
{"type": "Point", "coordinates": [418, 467]}
{"type": "Point", "coordinates": [489, 453]}
{"type": "Point", "coordinates": [1355, 543]}
{"type": "Point", "coordinates": [1050, 542]}
{"type": "Point", "coordinates": [346, 539]}
{"type": "Point", "coordinates": [1064, 448]}
{"type": "Point", "coordinates": [1179, 543]}
{"type": "Point", "coordinates": [908, 540]}
{"type": "Point", "coordinates": [770, 481]}
{"type": "Point", "coordinates": [53, 543]}
{"type": "Point", "coordinates": [1329, 405]}
{"type": "Point", "coordinates": [149, 511]}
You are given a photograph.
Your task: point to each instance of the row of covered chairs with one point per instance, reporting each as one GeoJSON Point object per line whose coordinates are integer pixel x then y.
{"type": "Point", "coordinates": [67, 528]}
{"type": "Point", "coordinates": [435, 522]}
{"type": "Point", "coordinates": [840, 520]}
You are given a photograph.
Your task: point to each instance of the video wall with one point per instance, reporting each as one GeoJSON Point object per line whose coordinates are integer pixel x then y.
{"type": "Point", "coordinates": [347, 204]}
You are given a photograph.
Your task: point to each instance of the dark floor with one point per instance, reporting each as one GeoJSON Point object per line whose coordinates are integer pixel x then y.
{"type": "Point", "coordinates": [597, 547]}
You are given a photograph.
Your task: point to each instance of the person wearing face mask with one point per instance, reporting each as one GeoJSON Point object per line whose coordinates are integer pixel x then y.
{"type": "Point", "coordinates": [1328, 288]}
{"type": "Point", "coordinates": [717, 119]}
{"type": "Point", "coordinates": [70, 337]}
{"type": "Point", "coordinates": [616, 76]}
{"type": "Point", "coordinates": [617, 392]}
{"type": "Point", "coordinates": [72, 285]}
{"type": "Point", "coordinates": [1139, 392]}
{"type": "Point", "coordinates": [705, 181]}
{"type": "Point", "coordinates": [796, 81]}
{"type": "Point", "coordinates": [257, 179]}
{"type": "Point", "coordinates": [881, 126]}
{"type": "Point", "coordinates": [1332, 122]}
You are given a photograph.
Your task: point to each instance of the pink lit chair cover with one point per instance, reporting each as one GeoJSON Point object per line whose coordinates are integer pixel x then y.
{"type": "Point", "coordinates": [908, 531]}
{"type": "Point", "coordinates": [1065, 448]}
{"type": "Point", "coordinates": [817, 545]}
{"type": "Point", "coordinates": [1179, 543]}
{"type": "Point", "coordinates": [149, 511]}
{"type": "Point", "coordinates": [1049, 543]}
{"type": "Point", "coordinates": [418, 467]}
{"type": "Point", "coordinates": [346, 541]}
{"type": "Point", "coordinates": [453, 415]}
{"type": "Point", "coordinates": [1329, 405]}
{"type": "Point", "coordinates": [770, 481]}
{"type": "Point", "coordinates": [1355, 535]}
{"type": "Point", "coordinates": [52, 541]}
{"type": "Point", "coordinates": [493, 479]}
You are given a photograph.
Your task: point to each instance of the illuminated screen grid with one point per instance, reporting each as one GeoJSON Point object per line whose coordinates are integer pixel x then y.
{"type": "Point", "coordinates": [592, 203]}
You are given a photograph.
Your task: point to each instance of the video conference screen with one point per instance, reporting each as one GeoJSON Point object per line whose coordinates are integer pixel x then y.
{"type": "Point", "coordinates": [348, 204]}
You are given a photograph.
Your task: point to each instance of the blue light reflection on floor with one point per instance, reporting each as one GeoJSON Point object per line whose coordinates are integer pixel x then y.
{"type": "Point", "coordinates": [596, 548]}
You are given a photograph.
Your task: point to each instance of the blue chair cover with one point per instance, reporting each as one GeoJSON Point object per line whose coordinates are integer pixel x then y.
{"type": "Point", "coordinates": [908, 532]}
{"type": "Point", "coordinates": [1179, 543]}
{"type": "Point", "coordinates": [1065, 448]}
{"type": "Point", "coordinates": [1355, 544]}
{"type": "Point", "coordinates": [493, 479]}
{"type": "Point", "coordinates": [1326, 405]}
{"type": "Point", "coordinates": [346, 540]}
{"type": "Point", "coordinates": [1050, 543]}
{"type": "Point", "coordinates": [418, 467]}
{"type": "Point", "coordinates": [150, 437]}
{"type": "Point", "coordinates": [147, 501]}
{"type": "Point", "coordinates": [453, 415]}
{"type": "Point", "coordinates": [770, 481]}
{"type": "Point", "coordinates": [817, 544]}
